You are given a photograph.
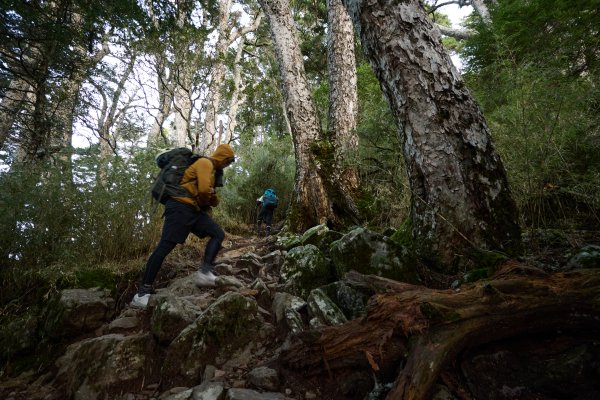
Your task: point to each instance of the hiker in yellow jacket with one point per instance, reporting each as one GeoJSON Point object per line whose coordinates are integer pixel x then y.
{"type": "Point", "coordinates": [185, 215]}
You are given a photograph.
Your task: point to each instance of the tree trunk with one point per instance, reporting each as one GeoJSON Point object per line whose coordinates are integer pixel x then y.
{"type": "Point", "coordinates": [12, 101]}
{"type": "Point", "coordinates": [461, 202]}
{"type": "Point", "coordinates": [315, 186]}
{"type": "Point", "coordinates": [426, 329]}
{"type": "Point", "coordinates": [165, 99]}
{"type": "Point", "coordinates": [343, 96]}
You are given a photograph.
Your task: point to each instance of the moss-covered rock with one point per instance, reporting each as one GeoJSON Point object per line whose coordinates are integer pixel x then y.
{"type": "Point", "coordinates": [351, 301]}
{"type": "Point", "coordinates": [227, 325]}
{"type": "Point", "coordinates": [368, 252]}
{"type": "Point", "coordinates": [324, 310]}
{"type": "Point", "coordinates": [320, 236]}
{"type": "Point", "coordinates": [170, 316]}
{"type": "Point", "coordinates": [76, 311]}
{"type": "Point", "coordinates": [586, 257]}
{"type": "Point", "coordinates": [96, 368]}
{"type": "Point", "coordinates": [305, 268]}
{"type": "Point", "coordinates": [288, 242]}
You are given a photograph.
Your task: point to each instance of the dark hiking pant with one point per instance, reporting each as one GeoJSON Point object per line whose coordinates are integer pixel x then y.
{"type": "Point", "coordinates": [180, 221]}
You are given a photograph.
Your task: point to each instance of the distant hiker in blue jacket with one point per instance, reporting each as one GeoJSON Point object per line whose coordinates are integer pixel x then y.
{"type": "Point", "coordinates": [268, 203]}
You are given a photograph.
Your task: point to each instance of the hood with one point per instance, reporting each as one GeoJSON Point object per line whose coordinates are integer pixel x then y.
{"type": "Point", "coordinates": [223, 152]}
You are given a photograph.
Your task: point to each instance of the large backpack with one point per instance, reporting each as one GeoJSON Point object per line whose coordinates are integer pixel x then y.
{"type": "Point", "coordinates": [172, 165]}
{"type": "Point", "coordinates": [270, 200]}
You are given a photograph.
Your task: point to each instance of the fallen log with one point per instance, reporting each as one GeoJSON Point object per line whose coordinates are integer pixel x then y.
{"type": "Point", "coordinates": [423, 330]}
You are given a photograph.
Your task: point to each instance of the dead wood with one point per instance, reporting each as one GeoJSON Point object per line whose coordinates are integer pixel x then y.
{"type": "Point", "coordinates": [427, 328]}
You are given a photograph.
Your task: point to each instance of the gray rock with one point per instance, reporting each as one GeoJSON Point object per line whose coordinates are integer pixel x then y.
{"type": "Point", "coordinates": [368, 252]}
{"type": "Point", "coordinates": [170, 316]}
{"type": "Point", "coordinates": [351, 301]}
{"type": "Point", "coordinates": [305, 268]}
{"type": "Point", "coordinates": [264, 378]}
{"type": "Point", "coordinates": [320, 236]}
{"type": "Point", "coordinates": [324, 309]}
{"type": "Point", "coordinates": [228, 324]}
{"type": "Point", "coordinates": [78, 311]}
{"type": "Point", "coordinates": [586, 257]}
{"type": "Point", "coordinates": [248, 394]}
{"type": "Point", "coordinates": [102, 364]}
{"type": "Point", "coordinates": [286, 308]}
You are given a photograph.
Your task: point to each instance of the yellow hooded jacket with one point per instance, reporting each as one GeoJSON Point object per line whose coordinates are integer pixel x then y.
{"type": "Point", "coordinates": [199, 178]}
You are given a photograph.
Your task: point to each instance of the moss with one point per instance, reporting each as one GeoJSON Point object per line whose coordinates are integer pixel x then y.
{"type": "Point", "coordinates": [90, 278]}
{"type": "Point", "coordinates": [403, 235]}
{"type": "Point", "coordinates": [478, 274]}
{"type": "Point", "coordinates": [488, 258]}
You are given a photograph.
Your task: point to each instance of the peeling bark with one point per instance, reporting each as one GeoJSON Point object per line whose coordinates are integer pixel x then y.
{"type": "Point", "coordinates": [343, 95]}
{"type": "Point", "coordinates": [461, 202]}
{"type": "Point", "coordinates": [315, 189]}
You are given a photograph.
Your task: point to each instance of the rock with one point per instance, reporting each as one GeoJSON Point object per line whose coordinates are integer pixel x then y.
{"type": "Point", "coordinates": [286, 308]}
{"type": "Point", "coordinates": [305, 268]}
{"type": "Point", "coordinates": [248, 394]}
{"type": "Point", "coordinates": [106, 364]}
{"type": "Point", "coordinates": [368, 252]}
{"type": "Point", "coordinates": [320, 236]}
{"type": "Point", "coordinates": [288, 242]}
{"type": "Point", "coordinates": [250, 262]}
{"type": "Point", "coordinates": [274, 258]}
{"type": "Point", "coordinates": [170, 316]}
{"type": "Point", "coordinates": [228, 280]}
{"type": "Point", "coordinates": [586, 257]}
{"type": "Point", "coordinates": [351, 301]}
{"type": "Point", "coordinates": [78, 311]}
{"type": "Point", "coordinates": [264, 378]}
{"type": "Point", "coordinates": [324, 309]}
{"type": "Point", "coordinates": [123, 324]}
{"type": "Point", "coordinates": [230, 323]}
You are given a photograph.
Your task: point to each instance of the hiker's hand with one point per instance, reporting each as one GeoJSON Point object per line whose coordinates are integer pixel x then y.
{"type": "Point", "coordinates": [214, 200]}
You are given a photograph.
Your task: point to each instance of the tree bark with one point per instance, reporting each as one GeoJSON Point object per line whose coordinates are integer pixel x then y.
{"type": "Point", "coordinates": [315, 186]}
{"type": "Point", "coordinates": [343, 96]}
{"type": "Point", "coordinates": [461, 202]}
{"type": "Point", "coordinates": [429, 328]}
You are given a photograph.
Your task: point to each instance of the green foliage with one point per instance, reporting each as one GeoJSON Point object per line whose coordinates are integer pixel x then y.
{"type": "Point", "coordinates": [385, 196]}
{"type": "Point", "coordinates": [269, 164]}
{"type": "Point", "coordinates": [535, 72]}
{"type": "Point", "coordinates": [53, 226]}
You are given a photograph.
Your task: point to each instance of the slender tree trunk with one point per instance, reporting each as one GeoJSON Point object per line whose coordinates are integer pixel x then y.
{"type": "Point", "coordinates": [213, 98]}
{"type": "Point", "coordinates": [315, 185]}
{"type": "Point", "coordinates": [13, 100]}
{"type": "Point", "coordinates": [461, 202]}
{"type": "Point", "coordinates": [237, 97]}
{"type": "Point", "coordinates": [343, 96]}
{"type": "Point", "coordinates": [165, 99]}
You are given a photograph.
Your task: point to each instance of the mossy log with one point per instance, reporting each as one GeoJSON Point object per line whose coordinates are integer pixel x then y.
{"type": "Point", "coordinates": [426, 329]}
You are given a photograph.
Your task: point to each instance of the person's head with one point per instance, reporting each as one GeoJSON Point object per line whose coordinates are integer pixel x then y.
{"type": "Point", "coordinates": [223, 156]}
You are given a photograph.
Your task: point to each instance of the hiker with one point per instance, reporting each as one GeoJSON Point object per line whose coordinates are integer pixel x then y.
{"type": "Point", "coordinates": [268, 204]}
{"type": "Point", "coordinates": [190, 214]}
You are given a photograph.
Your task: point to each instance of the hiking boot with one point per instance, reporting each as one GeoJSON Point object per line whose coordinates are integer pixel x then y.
{"type": "Point", "coordinates": [140, 301]}
{"type": "Point", "coordinates": [202, 279]}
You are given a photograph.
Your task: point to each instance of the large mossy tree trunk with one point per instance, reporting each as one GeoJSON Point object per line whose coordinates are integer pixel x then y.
{"type": "Point", "coordinates": [319, 196]}
{"type": "Point", "coordinates": [343, 92]}
{"type": "Point", "coordinates": [425, 330]}
{"type": "Point", "coordinates": [461, 202]}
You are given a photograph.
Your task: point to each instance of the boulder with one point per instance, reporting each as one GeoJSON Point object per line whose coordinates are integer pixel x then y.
{"type": "Point", "coordinates": [97, 367]}
{"type": "Point", "coordinates": [368, 253]}
{"type": "Point", "coordinates": [286, 308]}
{"type": "Point", "coordinates": [320, 236]}
{"type": "Point", "coordinates": [586, 257]}
{"type": "Point", "coordinates": [77, 311]}
{"type": "Point", "coordinates": [249, 394]}
{"type": "Point", "coordinates": [170, 316]}
{"type": "Point", "coordinates": [227, 325]}
{"type": "Point", "coordinates": [264, 378]}
{"type": "Point", "coordinates": [322, 308]}
{"type": "Point", "coordinates": [305, 268]}
{"type": "Point", "coordinates": [205, 391]}
{"type": "Point", "coordinates": [351, 301]}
